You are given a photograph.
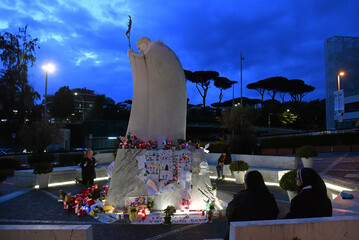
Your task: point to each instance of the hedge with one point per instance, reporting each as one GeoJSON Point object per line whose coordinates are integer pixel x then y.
{"type": "Point", "coordinates": [10, 163]}
{"type": "Point", "coordinates": [314, 140]}
{"type": "Point", "coordinates": [2, 177]}
{"type": "Point", "coordinates": [218, 147]}
{"type": "Point", "coordinates": [70, 159]}
{"type": "Point", "coordinates": [43, 157]}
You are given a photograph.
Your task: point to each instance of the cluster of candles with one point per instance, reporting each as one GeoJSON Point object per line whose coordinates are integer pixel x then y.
{"type": "Point", "coordinates": [81, 202]}
{"type": "Point", "coordinates": [153, 145]}
{"type": "Point", "coordinates": [138, 145]}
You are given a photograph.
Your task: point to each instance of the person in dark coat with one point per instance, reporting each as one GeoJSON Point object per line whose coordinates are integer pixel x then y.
{"type": "Point", "coordinates": [312, 199]}
{"type": "Point", "coordinates": [88, 165]}
{"type": "Point", "coordinates": [220, 164]}
{"type": "Point", "coordinates": [253, 203]}
{"type": "Point", "coordinates": [228, 158]}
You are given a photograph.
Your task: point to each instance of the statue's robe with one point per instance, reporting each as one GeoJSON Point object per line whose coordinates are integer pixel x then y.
{"type": "Point", "coordinates": [159, 103]}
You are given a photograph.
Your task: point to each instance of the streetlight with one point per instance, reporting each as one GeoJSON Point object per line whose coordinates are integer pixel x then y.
{"type": "Point", "coordinates": [339, 100]}
{"type": "Point", "coordinates": [269, 114]}
{"type": "Point", "coordinates": [83, 106]}
{"type": "Point", "coordinates": [340, 74]}
{"type": "Point", "coordinates": [242, 58]}
{"type": "Point", "coordinates": [48, 68]}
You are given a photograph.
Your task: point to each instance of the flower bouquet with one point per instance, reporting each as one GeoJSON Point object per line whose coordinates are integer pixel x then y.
{"type": "Point", "coordinates": [186, 202]}
{"type": "Point", "coordinates": [133, 212]}
{"type": "Point", "coordinates": [169, 211]}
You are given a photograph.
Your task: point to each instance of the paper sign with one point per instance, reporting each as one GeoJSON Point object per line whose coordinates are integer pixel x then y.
{"type": "Point", "coordinates": [141, 160]}
{"type": "Point", "coordinates": [109, 168]}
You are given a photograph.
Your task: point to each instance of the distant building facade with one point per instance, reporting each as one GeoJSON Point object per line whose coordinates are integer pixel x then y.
{"type": "Point", "coordinates": [84, 100]}
{"type": "Point", "coordinates": [342, 55]}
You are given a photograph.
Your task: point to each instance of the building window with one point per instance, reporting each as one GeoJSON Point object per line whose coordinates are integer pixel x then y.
{"type": "Point", "coordinates": [352, 107]}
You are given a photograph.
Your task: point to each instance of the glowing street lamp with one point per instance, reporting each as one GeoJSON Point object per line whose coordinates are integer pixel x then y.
{"type": "Point", "coordinates": [339, 100]}
{"type": "Point", "coordinates": [340, 74]}
{"type": "Point", "coordinates": [48, 68]}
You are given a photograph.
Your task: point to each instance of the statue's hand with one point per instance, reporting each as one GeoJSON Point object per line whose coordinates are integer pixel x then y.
{"type": "Point", "coordinates": [130, 52]}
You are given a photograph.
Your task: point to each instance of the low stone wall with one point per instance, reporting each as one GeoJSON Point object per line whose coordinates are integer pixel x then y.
{"type": "Point", "coordinates": [46, 232]}
{"type": "Point", "coordinates": [105, 158]}
{"type": "Point", "coordinates": [304, 228]}
{"type": "Point", "coordinates": [26, 178]}
{"type": "Point", "coordinates": [272, 168]}
{"type": "Point", "coordinates": [261, 161]}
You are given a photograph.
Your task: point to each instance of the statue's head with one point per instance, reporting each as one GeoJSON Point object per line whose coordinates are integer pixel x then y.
{"type": "Point", "coordinates": [142, 44]}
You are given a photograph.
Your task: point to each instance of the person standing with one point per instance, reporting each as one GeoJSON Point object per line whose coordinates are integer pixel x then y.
{"type": "Point", "coordinates": [220, 164]}
{"type": "Point", "coordinates": [227, 161]}
{"type": "Point", "coordinates": [88, 165]}
{"type": "Point", "coordinates": [312, 199]}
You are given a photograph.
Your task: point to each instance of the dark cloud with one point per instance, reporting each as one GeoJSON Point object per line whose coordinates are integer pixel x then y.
{"type": "Point", "coordinates": [277, 38]}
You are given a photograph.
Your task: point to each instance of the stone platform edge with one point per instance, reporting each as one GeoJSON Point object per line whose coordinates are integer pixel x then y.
{"type": "Point", "coordinates": [46, 232]}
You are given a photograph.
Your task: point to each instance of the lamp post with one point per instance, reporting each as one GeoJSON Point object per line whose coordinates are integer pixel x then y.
{"type": "Point", "coordinates": [340, 74]}
{"type": "Point", "coordinates": [233, 95]}
{"type": "Point", "coordinates": [83, 106]}
{"type": "Point", "coordinates": [270, 114]}
{"type": "Point", "coordinates": [233, 105]}
{"type": "Point", "coordinates": [242, 58]}
{"type": "Point", "coordinates": [48, 68]}
{"type": "Point", "coordinates": [339, 100]}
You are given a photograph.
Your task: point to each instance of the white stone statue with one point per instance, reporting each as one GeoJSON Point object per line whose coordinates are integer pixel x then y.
{"type": "Point", "coordinates": [159, 102]}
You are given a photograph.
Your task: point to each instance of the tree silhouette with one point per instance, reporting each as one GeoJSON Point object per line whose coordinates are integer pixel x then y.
{"type": "Point", "coordinates": [39, 135]}
{"type": "Point", "coordinates": [64, 103]}
{"type": "Point", "coordinates": [298, 89]}
{"type": "Point", "coordinates": [103, 107]}
{"type": "Point", "coordinates": [273, 85]}
{"type": "Point", "coordinates": [223, 83]}
{"type": "Point", "coordinates": [259, 87]}
{"type": "Point", "coordinates": [17, 97]}
{"type": "Point", "coordinates": [202, 79]}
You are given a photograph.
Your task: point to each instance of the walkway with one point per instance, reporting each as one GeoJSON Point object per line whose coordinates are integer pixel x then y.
{"type": "Point", "coordinates": [33, 206]}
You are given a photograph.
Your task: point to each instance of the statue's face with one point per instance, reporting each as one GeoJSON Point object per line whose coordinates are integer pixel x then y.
{"type": "Point", "coordinates": [142, 46]}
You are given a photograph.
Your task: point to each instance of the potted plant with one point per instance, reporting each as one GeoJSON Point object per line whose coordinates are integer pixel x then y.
{"type": "Point", "coordinates": [150, 203]}
{"type": "Point", "coordinates": [239, 169]}
{"type": "Point", "coordinates": [169, 211]}
{"type": "Point", "coordinates": [307, 154]}
{"type": "Point", "coordinates": [43, 171]}
{"type": "Point", "coordinates": [288, 182]}
{"type": "Point", "coordinates": [2, 178]}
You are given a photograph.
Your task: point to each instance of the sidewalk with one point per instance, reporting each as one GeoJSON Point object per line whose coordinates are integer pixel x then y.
{"type": "Point", "coordinates": [33, 206]}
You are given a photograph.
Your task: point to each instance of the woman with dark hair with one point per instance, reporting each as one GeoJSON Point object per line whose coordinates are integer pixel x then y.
{"type": "Point", "coordinates": [253, 203]}
{"type": "Point", "coordinates": [312, 199]}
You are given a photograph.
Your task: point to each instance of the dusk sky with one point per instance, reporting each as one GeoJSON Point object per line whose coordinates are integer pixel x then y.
{"type": "Point", "coordinates": [86, 41]}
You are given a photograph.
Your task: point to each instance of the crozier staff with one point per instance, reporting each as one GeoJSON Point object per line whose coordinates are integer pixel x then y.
{"type": "Point", "coordinates": [129, 30]}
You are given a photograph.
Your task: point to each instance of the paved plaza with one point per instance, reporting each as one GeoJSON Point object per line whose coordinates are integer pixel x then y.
{"type": "Point", "coordinates": [33, 206]}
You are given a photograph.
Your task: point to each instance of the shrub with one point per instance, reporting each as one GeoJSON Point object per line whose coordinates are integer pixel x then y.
{"type": "Point", "coordinates": [306, 152]}
{"type": "Point", "coordinates": [244, 144]}
{"type": "Point", "coordinates": [238, 166]}
{"type": "Point", "coordinates": [70, 159]}
{"type": "Point", "coordinates": [10, 163]}
{"type": "Point", "coordinates": [2, 177]}
{"type": "Point", "coordinates": [43, 157]}
{"type": "Point", "coordinates": [314, 140]}
{"type": "Point", "coordinates": [42, 167]}
{"type": "Point", "coordinates": [288, 181]}
{"type": "Point", "coordinates": [218, 147]}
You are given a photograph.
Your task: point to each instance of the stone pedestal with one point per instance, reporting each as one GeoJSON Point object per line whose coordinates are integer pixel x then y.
{"type": "Point", "coordinates": [125, 183]}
